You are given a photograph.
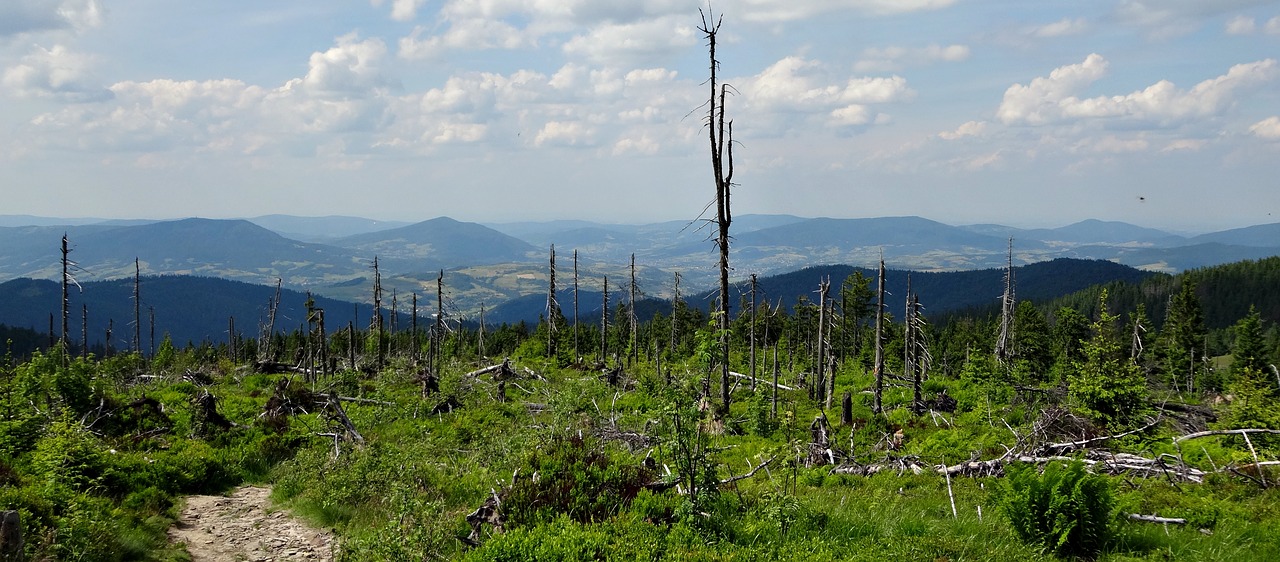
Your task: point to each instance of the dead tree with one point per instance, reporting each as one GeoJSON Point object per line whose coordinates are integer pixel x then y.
{"type": "Point", "coordinates": [553, 306]}
{"type": "Point", "coordinates": [878, 368]}
{"type": "Point", "coordinates": [631, 314]}
{"type": "Point", "coordinates": [1004, 341]}
{"type": "Point", "coordinates": [721, 137]}
{"type": "Point", "coordinates": [84, 331]}
{"type": "Point", "coordinates": [437, 333]}
{"type": "Point", "coordinates": [604, 322]}
{"type": "Point", "coordinates": [268, 332]}
{"type": "Point", "coordinates": [752, 333]}
{"type": "Point", "coordinates": [576, 354]}
{"type": "Point", "coordinates": [137, 306]}
{"type": "Point", "coordinates": [376, 325]}
{"type": "Point", "coordinates": [413, 334]}
{"type": "Point", "coordinates": [826, 387]}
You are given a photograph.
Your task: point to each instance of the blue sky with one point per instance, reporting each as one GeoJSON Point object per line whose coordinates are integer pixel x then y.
{"type": "Point", "coordinates": [1162, 113]}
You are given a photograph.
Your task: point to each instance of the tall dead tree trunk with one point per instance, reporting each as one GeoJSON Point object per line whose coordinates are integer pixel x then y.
{"type": "Point", "coordinates": [820, 381]}
{"type": "Point", "coordinates": [752, 333]}
{"type": "Point", "coordinates": [553, 307]}
{"type": "Point", "coordinates": [413, 334]}
{"type": "Point", "coordinates": [576, 354]}
{"type": "Point", "coordinates": [480, 336]}
{"type": "Point", "coordinates": [268, 334]}
{"type": "Point", "coordinates": [1004, 341]}
{"type": "Point", "coordinates": [376, 326]}
{"type": "Point", "coordinates": [604, 322]}
{"type": "Point", "coordinates": [66, 299]}
{"type": "Point", "coordinates": [437, 334]}
{"type": "Point", "coordinates": [84, 331]}
{"type": "Point", "coordinates": [631, 315]}
{"type": "Point", "coordinates": [721, 137]}
{"type": "Point", "coordinates": [137, 306]}
{"type": "Point", "coordinates": [878, 369]}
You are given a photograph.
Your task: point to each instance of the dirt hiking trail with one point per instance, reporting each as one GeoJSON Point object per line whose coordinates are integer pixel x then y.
{"type": "Point", "coordinates": [238, 527]}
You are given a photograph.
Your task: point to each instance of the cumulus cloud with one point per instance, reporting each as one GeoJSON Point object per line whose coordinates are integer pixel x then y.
{"type": "Point", "coordinates": [472, 33]}
{"type": "Point", "coordinates": [31, 16]}
{"type": "Point", "coordinates": [1268, 128]}
{"type": "Point", "coordinates": [631, 42]}
{"type": "Point", "coordinates": [893, 58]}
{"type": "Point", "coordinates": [968, 129]}
{"type": "Point", "coordinates": [58, 73]}
{"type": "Point", "coordinates": [352, 67]}
{"type": "Point", "coordinates": [791, 10]}
{"type": "Point", "coordinates": [1052, 99]}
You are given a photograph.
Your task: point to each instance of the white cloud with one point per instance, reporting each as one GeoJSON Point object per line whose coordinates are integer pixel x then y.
{"type": "Point", "coordinates": [893, 58]}
{"type": "Point", "coordinates": [31, 16]}
{"type": "Point", "coordinates": [1268, 128]}
{"type": "Point", "coordinates": [1188, 145]}
{"type": "Point", "coordinates": [1052, 99]}
{"type": "Point", "coordinates": [564, 133]}
{"type": "Point", "coordinates": [473, 33]}
{"type": "Point", "coordinates": [968, 129]}
{"type": "Point", "coordinates": [1170, 18]}
{"type": "Point", "coordinates": [1061, 28]}
{"type": "Point", "coordinates": [626, 43]}
{"type": "Point", "coordinates": [791, 10]}
{"type": "Point", "coordinates": [405, 10]}
{"type": "Point", "coordinates": [1039, 102]}
{"type": "Point", "coordinates": [1273, 26]}
{"type": "Point", "coordinates": [352, 67]}
{"type": "Point", "coordinates": [58, 73]}
{"type": "Point", "coordinates": [1241, 25]}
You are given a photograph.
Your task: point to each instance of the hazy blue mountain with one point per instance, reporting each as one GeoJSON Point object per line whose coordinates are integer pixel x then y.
{"type": "Point", "coordinates": [29, 220]}
{"type": "Point", "coordinates": [190, 309]}
{"type": "Point", "coordinates": [442, 240]}
{"type": "Point", "coordinates": [1089, 231]}
{"type": "Point", "coordinates": [1184, 257]}
{"type": "Point", "coordinates": [322, 229]}
{"type": "Point", "coordinates": [232, 249]}
{"type": "Point", "coordinates": [908, 232]}
{"type": "Point", "coordinates": [1263, 236]}
{"type": "Point", "coordinates": [940, 292]}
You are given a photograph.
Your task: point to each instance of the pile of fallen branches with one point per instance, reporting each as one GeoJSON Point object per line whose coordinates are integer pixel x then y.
{"type": "Point", "coordinates": [1088, 448]}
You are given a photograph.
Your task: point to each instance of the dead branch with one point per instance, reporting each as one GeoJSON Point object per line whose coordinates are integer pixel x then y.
{"type": "Point", "coordinates": [1157, 519]}
{"type": "Point", "coordinates": [759, 380]}
{"type": "Point", "coordinates": [1084, 443]}
{"type": "Point", "coordinates": [1199, 434]}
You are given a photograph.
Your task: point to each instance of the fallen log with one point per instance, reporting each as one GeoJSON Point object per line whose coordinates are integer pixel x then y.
{"type": "Point", "coordinates": [760, 381]}
{"type": "Point", "coordinates": [1157, 519]}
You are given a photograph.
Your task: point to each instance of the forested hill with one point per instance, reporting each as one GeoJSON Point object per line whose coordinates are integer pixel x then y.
{"type": "Point", "coordinates": [940, 292]}
{"type": "Point", "coordinates": [1225, 291]}
{"type": "Point", "coordinates": [189, 309]}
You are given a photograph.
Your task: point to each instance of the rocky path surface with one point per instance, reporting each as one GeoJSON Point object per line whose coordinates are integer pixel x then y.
{"type": "Point", "coordinates": [238, 528]}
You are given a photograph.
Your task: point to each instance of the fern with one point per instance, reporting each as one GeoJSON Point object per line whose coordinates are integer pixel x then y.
{"type": "Point", "coordinates": [1066, 510]}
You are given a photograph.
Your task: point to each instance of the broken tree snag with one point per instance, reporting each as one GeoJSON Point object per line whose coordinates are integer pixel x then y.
{"type": "Point", "coordinates": [501, 371]}
{"type": "Point", "coordinates": [11, 546]}
{"type": "Point", "coordinates": [335, 411]}
{"type": "Point", "coordinates": [488, 512]}
{"type": "Point", "coordinates": [205, 417]}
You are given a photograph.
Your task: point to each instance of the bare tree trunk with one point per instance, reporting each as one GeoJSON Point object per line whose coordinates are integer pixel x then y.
{"type": "Point", "coordinates": [66, 300]}
{"type": "Point", "coordinates": [266, 337]}
{"type": "Point", "coordinates": [721, 137]}
{"type": "Point", "coordinates": [820, 380]}
{"type": "Point", "coordinates": [576, 354]}
{"type": "Point", "coordinates": [1004, 341]}
{"type": "Point", "coordinates": [376, 327]}
{"type": "Point", "coordinates": [878, 405]}
{"type": "Point", "coordinates": [635, 324]}
{"type": "Point", "coordinates": [437, 338]}
{"type": "Point", "coordinates": [752, 333]}
{"type": "Point", "coordinates": [480, 346]}
{"type": "Point", "coordinates": [137, 306]}
{"type": "Point", "coordinates": [84, 331]}
{"type": "Point", "coordinates": [604, 323]}
{"type": "Point", "coordinates": [151, 332]}
{"type": "Point", "coordinates": [553, 307]}
{"type": "Point", "coordinates": [106, 349]}
{"type": "Point", "coordinates": [413, 335]}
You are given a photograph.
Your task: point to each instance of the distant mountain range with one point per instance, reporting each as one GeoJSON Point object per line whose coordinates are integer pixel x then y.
{"type": "Point", "coordinates": [492, 264]}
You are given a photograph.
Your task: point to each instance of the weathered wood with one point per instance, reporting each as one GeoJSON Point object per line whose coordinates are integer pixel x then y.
{"type": "Point", "coordinates": [1157, 519]}
{"type": "Point", "coordinates": [1199, 434]}
{"type": "Point", "coordinates": [773, 384]}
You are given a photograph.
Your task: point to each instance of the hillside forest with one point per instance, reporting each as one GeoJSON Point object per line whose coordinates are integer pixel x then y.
{"type": "Point", "coordinates": [1133, 420]}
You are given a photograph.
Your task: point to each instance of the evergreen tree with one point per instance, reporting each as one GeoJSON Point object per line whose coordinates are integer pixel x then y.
{"type": "Point", "coordinates": [1032, 343]}
{"type": "Point", "coordinates": [1249, 354]}
{"type": "Point", "coordinates": [1107, 385]}
{"type": "Point", "coordinates": [1182, 338]}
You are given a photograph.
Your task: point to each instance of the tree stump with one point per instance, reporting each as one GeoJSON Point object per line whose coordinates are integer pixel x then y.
{"type": "Point", "coordinates": [10, 536]}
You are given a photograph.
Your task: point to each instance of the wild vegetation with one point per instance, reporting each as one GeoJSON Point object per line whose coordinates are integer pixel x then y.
{"type": "Point", "coordinates": [440, 449]}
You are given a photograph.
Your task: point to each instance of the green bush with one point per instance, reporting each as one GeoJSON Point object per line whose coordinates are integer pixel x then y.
{"type": "Point", "coordinates": [1066, 510]}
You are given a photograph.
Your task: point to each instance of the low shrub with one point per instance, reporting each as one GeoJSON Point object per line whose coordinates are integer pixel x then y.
{"type": "Point", "coordinates": [1066, 510]}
